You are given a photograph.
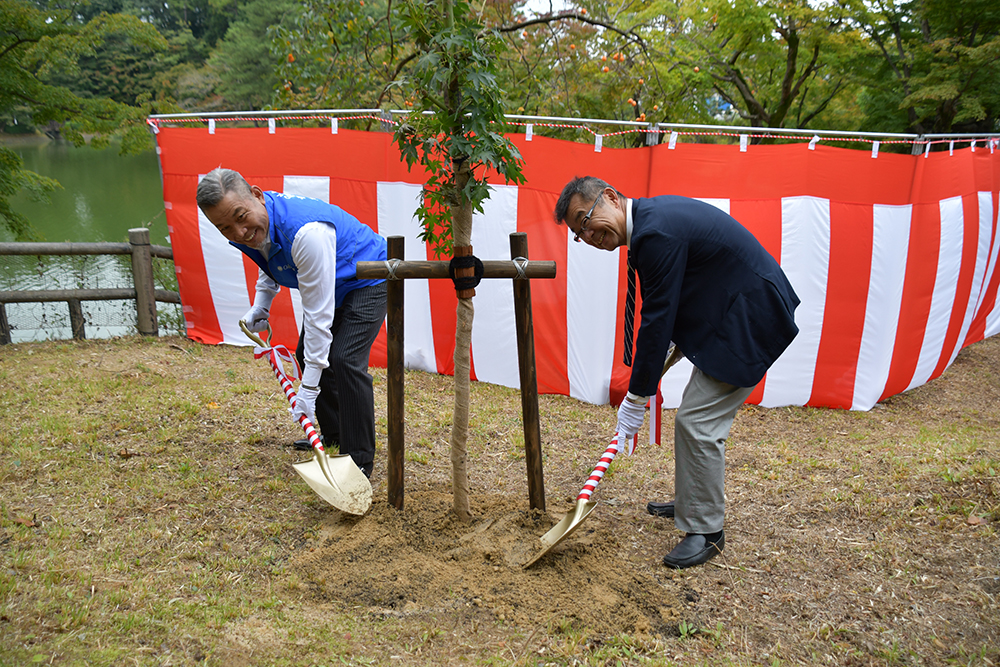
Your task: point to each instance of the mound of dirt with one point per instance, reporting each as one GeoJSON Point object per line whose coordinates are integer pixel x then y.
{"type": "Point", "coordinates": [423, 559]}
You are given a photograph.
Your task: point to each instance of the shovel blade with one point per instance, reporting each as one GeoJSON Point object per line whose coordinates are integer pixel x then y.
{"type": "Point", "coordinates": [342, 484]}
{"type": "Point", "coordinates": [564, 528]}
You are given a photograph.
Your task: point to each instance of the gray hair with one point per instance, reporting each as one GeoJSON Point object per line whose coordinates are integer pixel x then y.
{"type": "Point", "coordinates": [586, 186]}
{"type": "Point", "coordinates": [217, 184]}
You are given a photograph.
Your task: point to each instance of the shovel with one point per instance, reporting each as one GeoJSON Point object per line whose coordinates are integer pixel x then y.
{"type": "Point", "coordinates": [584, 505]}
{"type": "Point", "coordinates": [336, 478]}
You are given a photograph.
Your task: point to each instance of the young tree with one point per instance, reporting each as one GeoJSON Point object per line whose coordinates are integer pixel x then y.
{"type": "Point", "coordinates": [34, 44]}
{"type": "Point", "coordinates": [458, 142]}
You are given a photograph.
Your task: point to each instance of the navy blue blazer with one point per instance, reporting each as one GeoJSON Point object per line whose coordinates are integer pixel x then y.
{"type": "Point", "coordinates": [708, 285]}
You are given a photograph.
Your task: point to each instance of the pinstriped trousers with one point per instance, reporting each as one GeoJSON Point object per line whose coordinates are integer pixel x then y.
{"type": "Point", "coordinates": [701, 428]}
{"type": "Point", "coordinates": [345, 407]}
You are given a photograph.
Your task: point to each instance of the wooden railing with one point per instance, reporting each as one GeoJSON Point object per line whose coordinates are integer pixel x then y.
{"type": "Point", "coordinates": [144, 291]}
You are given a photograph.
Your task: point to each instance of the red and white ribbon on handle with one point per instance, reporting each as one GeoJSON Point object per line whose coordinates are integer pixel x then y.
{"type": "Point", "coordinates": [602, 466]}
{"type": "Point", "coordinates": [276, 355]}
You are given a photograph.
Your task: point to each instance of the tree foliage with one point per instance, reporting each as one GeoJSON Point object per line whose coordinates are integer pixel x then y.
{"type": "Point", "coordinates": [248, 77]}
{"type": "Point", "coordinates": [757, 62]}
{"type": "Point", "coordinates": [928, 66]}
{"type": "Point", "coordinates": [455, 130]}
{"type": "Point", "coordinates": [342, 55]}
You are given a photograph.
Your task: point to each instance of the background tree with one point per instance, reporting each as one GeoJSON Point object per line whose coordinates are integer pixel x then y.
{"type": "Point", "coordinates": [760, 62]}
{"type": "Point", "coordinates": [771, 61]}
{"type": "Point", "coordinates": [458, 144]}
{"type": "Point", "coordinates": [35, 45]}
{"type": "Point", "coordinates": [929, 66]}
{"type": "Point", "coordinates": [243, 61]}
{"type": "Point", "coordinates": [597, 60]}
{"type": "Point", "coordinates": [341, 55]}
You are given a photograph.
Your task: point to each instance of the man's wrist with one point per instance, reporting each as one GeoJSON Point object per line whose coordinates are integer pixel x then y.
{"type": "Point", "coordinates": [636, 400]}
{"type": "Point", "coordinates": [311, 375]}
{"type": "Point", "coordinates": [263, 299]}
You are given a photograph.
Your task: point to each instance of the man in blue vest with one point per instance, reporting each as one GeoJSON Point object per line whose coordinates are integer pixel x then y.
{"type": "Point", "coordinates": [709, 287]}
{"type": "Point", "coordinates": [313, 246]}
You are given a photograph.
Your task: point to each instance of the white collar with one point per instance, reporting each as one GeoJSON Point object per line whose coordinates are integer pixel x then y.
{"type": "Point", "coordinates": [628, 223]}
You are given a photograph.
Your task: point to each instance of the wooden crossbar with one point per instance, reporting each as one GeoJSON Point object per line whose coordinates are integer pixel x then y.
{"type": "Point", "coordinates": [435, 269]}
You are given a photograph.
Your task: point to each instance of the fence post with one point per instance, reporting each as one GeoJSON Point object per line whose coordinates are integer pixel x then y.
{"type": "Point", "coordinates": [4, 326]}
{"type": "Point", "coordinates": [76, 319]}
{"type": "Point", "coordinates": [142, 276]}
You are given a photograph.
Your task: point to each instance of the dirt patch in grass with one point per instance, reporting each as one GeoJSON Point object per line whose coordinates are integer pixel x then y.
{"type": "Point", "coordinates": [170, 528]}
{"type": "Point", "coordinates": [422, 560]}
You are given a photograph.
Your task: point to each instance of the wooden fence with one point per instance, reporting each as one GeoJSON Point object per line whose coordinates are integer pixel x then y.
{"type": "Point", "coordinates": [144, 291]}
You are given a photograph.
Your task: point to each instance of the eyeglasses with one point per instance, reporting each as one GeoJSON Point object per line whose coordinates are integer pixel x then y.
{"type": "Point", "coordinates": [586, 219]}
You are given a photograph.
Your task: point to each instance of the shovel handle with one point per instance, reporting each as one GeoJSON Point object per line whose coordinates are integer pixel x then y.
{"type": "Point", "coordinates": [674, 355]}
{"type": "Point", "coordinates": [286, 386]}
{"type": "Point", "coordinates": [602, 467]}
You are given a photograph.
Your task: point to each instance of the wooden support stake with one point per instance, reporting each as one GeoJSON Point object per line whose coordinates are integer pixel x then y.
{"type": "Point", "coordinates": [76, 319]}
{"type": "Point", "coordinates": [142, 276]}
{"type": "Point", "coordinates": [395, 378]}
{"type": "Point", "coordinates": [398, 272]}
{"type": "Point", "coordinates": [4, 326]}
{"type": "Point", "coordinates": [529, 378]}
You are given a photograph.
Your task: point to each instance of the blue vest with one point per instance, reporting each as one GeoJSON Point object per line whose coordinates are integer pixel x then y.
{"type": "Point", "coordinates": [286, 214]}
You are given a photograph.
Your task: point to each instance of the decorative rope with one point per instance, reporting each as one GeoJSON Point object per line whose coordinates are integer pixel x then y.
{"type": "Point", "coordinates": [390, 266]}
{"type": "Point", "coordinates": [157, 122]}
{"type": "Point", "coordinates": [991, 143]}
{"type": "Point", "coordinates": [520, 264]}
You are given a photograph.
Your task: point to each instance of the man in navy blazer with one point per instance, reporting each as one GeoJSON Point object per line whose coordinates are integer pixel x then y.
{"type": "Point", "coordinates": [710, 288]}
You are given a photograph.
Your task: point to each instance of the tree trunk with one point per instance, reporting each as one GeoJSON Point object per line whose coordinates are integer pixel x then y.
{"type": "Point", "coordinates": [461, 230]}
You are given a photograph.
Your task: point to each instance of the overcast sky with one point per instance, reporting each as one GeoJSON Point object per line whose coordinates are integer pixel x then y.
{"type": "Point", "coordinates": [545, 6]}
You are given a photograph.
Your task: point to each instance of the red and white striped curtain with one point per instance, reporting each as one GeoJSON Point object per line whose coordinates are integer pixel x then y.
{"type": "Point", "coordinates": [893, 257]}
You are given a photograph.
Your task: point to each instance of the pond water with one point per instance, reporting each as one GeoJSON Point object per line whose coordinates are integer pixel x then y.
{"type": "Point", "coordinates": [103, 195]}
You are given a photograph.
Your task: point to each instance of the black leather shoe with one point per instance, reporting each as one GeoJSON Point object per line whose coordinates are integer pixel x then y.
{"type": "Point", "coordinates": [695, 549]}
{"type": "Point", "coordinates": [366, 469]}
{"type": "Point", "coordinates": [661, 509]}
{"type": "Point", "coordinates": [302, 445]}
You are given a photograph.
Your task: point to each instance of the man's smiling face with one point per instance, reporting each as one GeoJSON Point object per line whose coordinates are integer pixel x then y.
{"type": "Point", "coordinates": [241, 219]}
{"type": "Point", "coordinates": [598, 222]}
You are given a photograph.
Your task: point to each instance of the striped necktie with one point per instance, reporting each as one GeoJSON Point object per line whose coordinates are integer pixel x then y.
{"type": "Point", "coordinates": [629, 311]}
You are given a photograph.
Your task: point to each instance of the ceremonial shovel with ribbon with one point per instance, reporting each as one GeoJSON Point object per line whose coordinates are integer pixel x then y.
{"type": "Point", "coordinates": [584, 505]}
{"type": "Point", "coordinates": [335, 478]}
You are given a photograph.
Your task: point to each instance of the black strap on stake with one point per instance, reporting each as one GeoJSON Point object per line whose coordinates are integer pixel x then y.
{"type": "Point", "coordinates": [467, 262]}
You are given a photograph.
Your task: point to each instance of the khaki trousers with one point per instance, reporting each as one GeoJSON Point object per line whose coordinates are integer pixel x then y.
{"type": "Point", "coordinates": [701, 427]}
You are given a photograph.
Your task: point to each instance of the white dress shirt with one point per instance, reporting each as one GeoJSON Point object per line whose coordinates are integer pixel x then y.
{"type": "Point", "coordinates": [314, 251]}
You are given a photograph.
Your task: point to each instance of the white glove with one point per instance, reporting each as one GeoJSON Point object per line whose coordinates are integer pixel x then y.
{"type": "Point", "coordinates": [305, 403]}
{"type": "Point", "coordinates": [625, 445]}
{"type": "Point", "coordinates": [630, 418]}
{"type": "Point", "coordinates": [256, 318]}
